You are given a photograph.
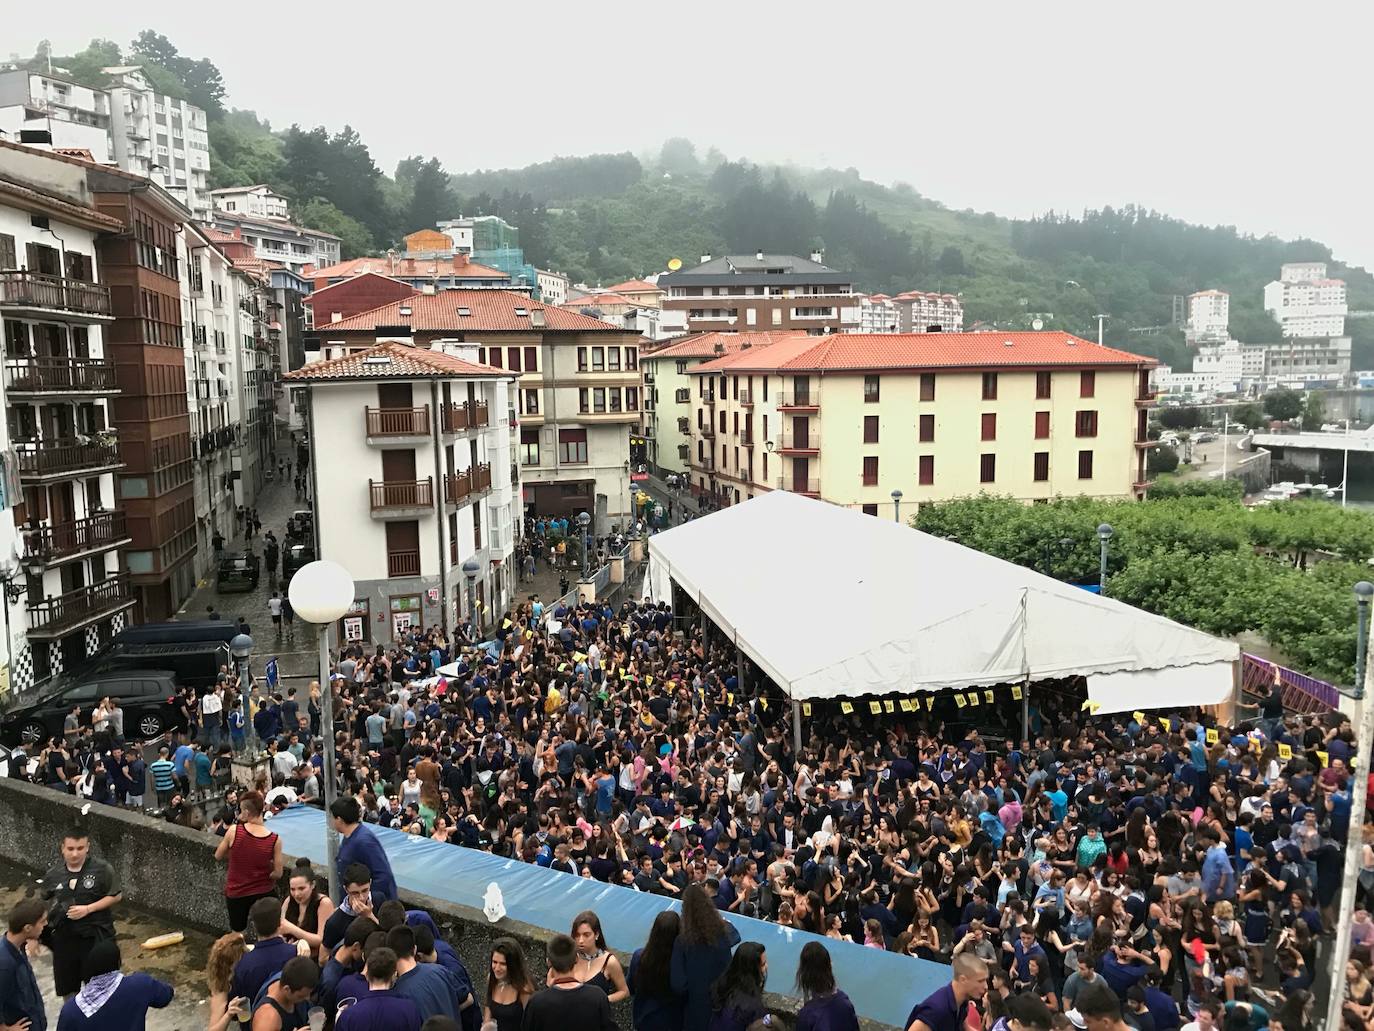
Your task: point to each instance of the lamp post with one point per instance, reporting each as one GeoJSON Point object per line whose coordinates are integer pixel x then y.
{"type": "Point", "coordinates": [241, 647]}
{"type": "Point", "coordinates": [1064, 543]}
{"type": "Point", "coordinates": [584, 520]}
{"type": "Point", "coordinates": [1359, 792]}
{"type": "Point", "coordinates": [470, 571]}
{"type": "Point", "coordinates": [1104, 534]}
{"type": "Point", "coordinates": [321, 592]}
{"type": "Point", "coordinates": [897, 505]}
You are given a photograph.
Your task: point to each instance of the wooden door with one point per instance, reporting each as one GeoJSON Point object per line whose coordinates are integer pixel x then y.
{"type": "Point", "coordinates": [801, 431]}
{"type": "Point", "coordinates": [398, 465]}
{"type": "Point", "coordinates": [394, 395]}
{"type": "Point", "coordinates": [801, 389]}
{"type": "Point", "coordinates": [800, 467]}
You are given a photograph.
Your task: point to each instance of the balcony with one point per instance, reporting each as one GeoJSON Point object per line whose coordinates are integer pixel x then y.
{"type": "Point", "coordinates": [794, 443]}
{"type": "Point", "coordinates": [1148, 399]}
{"type": "Point", "coordinates": [808, 400]}
{"type": "Point", "coordinates": [457, 487]}
{"type": "Point", "coordinates": [58, 459]}
{"type": "Point", "coordinates": [402, 563]}
{"type": "Point", "coordinates": [747, 438]}
{"type": "Point", "coordinates": [390, 423]}
{"type": "Point", "coordinates": [746, 399]}
{"type": "Point", "coordinates": [52, 376]}
{"type": "Point", "coordinates": [48, 545]}
{"type": "Point", "coordinates": [707, 430]}
{"type": "Point", "coordinates": [401, 499]}
{"type": "Point", "coordinates": [457, 418]}
{"type": "Point", "coordinates": [40, 294]}
{"type": "Point", "coordinates": [481, 478]}
{"type": "Point", "coordinates": [810, 487]}
{"type": "Point", "coordinates": [59, 615]}
{"type": "Point", "coordinates": [709, 397]}
{"type": "Point", "coordinates": [707, 462]}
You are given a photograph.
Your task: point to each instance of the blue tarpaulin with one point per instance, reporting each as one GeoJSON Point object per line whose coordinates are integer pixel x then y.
{"type": "Point", "coordinates": [883, 985]}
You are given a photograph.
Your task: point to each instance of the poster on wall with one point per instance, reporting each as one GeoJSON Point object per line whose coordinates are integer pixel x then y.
{"type": "Point", "coordinates": [402, 623]}
{"type": "Point", "coordinates": [353, 628]}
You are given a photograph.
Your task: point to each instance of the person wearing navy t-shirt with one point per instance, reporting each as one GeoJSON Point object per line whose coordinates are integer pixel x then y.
{"type": "Point", "coordinates": [944, 1009]}
{"type": "Point", "coordinates": [360, 845]}
{"type": "Point", "coordinates": [381, 1009]}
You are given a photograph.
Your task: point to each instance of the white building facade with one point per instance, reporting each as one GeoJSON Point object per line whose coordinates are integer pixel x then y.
{"type": "Point", "coordinates": [160, 137]}
{"type": "Point", "coordinates": [1305, 302]}
{"type": "Point", "coordinates": [922, 312]}
{"type": "Point", "coordinates": [1209, 316]}
{"type": "Point", "coordinates": [281, 241]}
{"type": "Point", "coordinates": [76, 116]}
{"type": "Point", "coordinates": [553, 286]}
{"type": "Point", "coordinates": [261, 201]}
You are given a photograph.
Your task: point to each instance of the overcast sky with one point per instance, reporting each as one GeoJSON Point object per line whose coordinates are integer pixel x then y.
{"type": "Point", "coordinates": [1254, 114]}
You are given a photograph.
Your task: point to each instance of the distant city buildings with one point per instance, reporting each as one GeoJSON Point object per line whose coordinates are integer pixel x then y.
{"type": "Point", "coordinates": [279, 240]}
{"type": "Point", "coordinates": [770, 292]}
{"type": "Point", "coordinates": [77, 117]}
{"type": "Point", "coordinates": [1209, 315]}
{"type": "Point", "coordinates": [1305, 302]}
{"type": "Point", "coordinates": [261, 201]}
{"type": "Point", "coordinates": [912, 311]}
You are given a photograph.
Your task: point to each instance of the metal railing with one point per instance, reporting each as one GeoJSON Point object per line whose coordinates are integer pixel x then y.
{"type": "Point", "coordinates": [799, 399]}
{"type": "Point", "coordinates": [74, 536]}
{"type": "Point", "coordinates": [1301, 693]}
{"type": "Point", "coordinates": [402, 563]}
{"type": "Point", "coordinates": [746, 398]}
{"type": "Point", "coordinates": [809, 486]}
{"type": "Point", "coordinates": [401, 493]}
{"type": "Point", "coordinates": [52, 615]}
{"type": "Point", "coordinates": [808, 441]}
{"type": "Point", "coordinates": [21, 288]}
{"type": "Point", "coordinates": [397, 422]}
{"type": "Point", "coordinates": [54, 374]}
{"type": "Point", "coordinates": [54, 457]}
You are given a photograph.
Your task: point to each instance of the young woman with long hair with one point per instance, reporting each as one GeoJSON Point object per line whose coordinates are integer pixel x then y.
{"type": "Point", "coordinates": [700, 955]}
{"type": "Point", "coordinates": [509, 986]}
{"type": "Point", "coordinates": [219, 971]}
{"type": "Point", "coordinates": [824, 1006]}
{"type": "Point", "coordinates": [596, 964]}
{"type": "Point", "coordinates": [306, 909]}
{"type": "Point", "coordinates": [657, 1007]}
{"type": "Point", "coordinates": [737, 995]}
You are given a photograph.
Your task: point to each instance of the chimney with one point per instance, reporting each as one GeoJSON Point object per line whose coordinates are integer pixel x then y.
{"type": "Point", "coordinates": [818, 257]}
{"type": "Point", "coordinates": [456, 349]}
{"type": "Point", "coordinates": [428, 288]}
{"type": "Point", "coordinates": [705, 258]}
{"type": "Point", "coordinates": [719, 349]}
{"type": "Point", "coordinates": [336, 316]}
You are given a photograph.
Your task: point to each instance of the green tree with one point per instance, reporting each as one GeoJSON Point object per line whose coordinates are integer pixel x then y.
{"type": "Point", "coordinates": [1283, 403]}
{"type": "Point", "coordinates": [679, 157]}
{"type": "Point", "coordinates": [1313, 411]}
{"type": "Point", "coordinates": [1182, 417]}
{"type": "Point", "coordinates": [318, 213]}
{"type": "Point", "coordinates": [431, 198]}
{"type": "Point", "coordinates": [1248, 415]}
{"type": "Point", "coordinates": [1162, 459]}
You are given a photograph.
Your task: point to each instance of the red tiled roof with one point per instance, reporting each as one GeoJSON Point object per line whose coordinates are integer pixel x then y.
{"type": "Point", "coordinates": [634, 285]}
{"type": "Point", "coordinates": [411, 268]}
{"type": "Point", "coordinates": [24, 193]}
{"type": "Point", "coordinates": [703, 345]}
{"type": "Point", "coordinates": [592, 300]}
{"type": "Point", "coordinates": [219, 235]}
{"type": "Point", "coordinates": [841, 352]}
{"type": "Point", "coordinates": [402, 361]}
{"type": "Point", "coordinates": [490, 311]}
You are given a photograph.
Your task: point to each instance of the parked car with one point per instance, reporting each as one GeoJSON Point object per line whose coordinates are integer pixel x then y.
{"type": "Point", "coordinates": [194, 663]}
{"type": "Point", "coordinates": [238, 571]}
{"type": "Point", "coordinates": [294, 556]}
{"type": "Point", "coordinates": [301, 525]}
{"type": "Point", "coordinates": [147, 696]}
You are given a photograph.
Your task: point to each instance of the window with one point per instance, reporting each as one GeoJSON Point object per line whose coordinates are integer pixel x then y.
{"type": "Point", "coordinates": [494, 357]}
{"type": "Point", "coordinates": [925, 466]}
{"type": "Point", "coordinates": [927, 433]}
{"type": "Point", "coordinates": [927, 386]}
{"type": "Point", "coordinates": [871, 389]}
{"type": "Point", "coordinates": [581, 359]}
{"type": "Point", "coordinates": [572, 447]}
{"type": "Point", "coordinates": [989, 386]}
{"type": "Point", "coordinates": [613, 359]}
{"type": "Point", "coordinates": [631, 399]}
{"type": "Point", "coordinates": [681, 364]}
{"type": "Point", "coordinates": [599, 399]}
{"type": "Point", "coordinates": [1042, 425]}
{"type": "Point", "coordinates": [1042, 466]}
{"type": "Point", "coordinates": [870, 429]}
{"type": "Point", "coordinates": [631, 358]}
{"type": "Point", "coordinates": [871, 510]}
{"type": "Point", "coordinates": [989, 426]}
{"type": "Point", "coordinates": [1085, 465]}
{"type": "Point", "coordinates": [531, 359]}
{"type": "Point", "coordinates": [529, 402]}
{"type": "Point", "coordinates": [8, 256]}
{"type": "Point", "coordinates": [512, 358]}
{"type": "Point", "coordinates": [870, 470]}
{"type": "Point", "coordinates": [529, 447]}
{"type": "Point", "coordinates": [1087, 383]}
{"type": "Point", "coordinates": [598, 359]}
{"type": "Point", "coordinates": [1042, 385]}
{"type": "Point", "coordinates": [582, 396]}
{"type": "Point", "coordinates": [1085, 424]}
{"type": "Point", "coordinates": [987, 468]}
{"type": "Point", "coordinates": [614, 393]}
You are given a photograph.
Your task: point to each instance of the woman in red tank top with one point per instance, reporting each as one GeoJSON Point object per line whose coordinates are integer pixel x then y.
{"type": "Point", "coordinates": [255, 862]}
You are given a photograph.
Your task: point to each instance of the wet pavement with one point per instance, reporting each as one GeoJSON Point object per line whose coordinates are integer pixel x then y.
{"type": "Point", "coordinates": [182, 966]}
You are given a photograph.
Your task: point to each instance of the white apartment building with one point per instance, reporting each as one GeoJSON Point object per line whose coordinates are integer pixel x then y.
{"type": "Point", "coordinates": [1209, 315]}
{"type": "Point", "coordinates": [877, 314]}
{"type": "Point", "coordinates": [552, 286]}
{"type": "Point", "coordinates": [76, 116]}
{"type": "Point", "coordinates": [160, 137]}
{"type": "Point", "coordinates": [280, 240]}
{"type": "Point", "coordinates": [412, 447]}
{"type": "Point", "coordinates": [921, 312]}
{"type": "Point", "coordinates": [61, 530]}
{"type": "Point", "coordinates": [259, 200]}
{"type": "Point", "coordinates": [1307, 303]}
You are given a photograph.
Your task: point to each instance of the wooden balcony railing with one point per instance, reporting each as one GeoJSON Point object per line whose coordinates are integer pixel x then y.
{"type": "Point", "coordinates": [453, 417]}
{"type": "Point", "coordinates": [23, 289]}
{"type": "Point", "coordinates": [481, 477]}
{"type": "Point", "coordinates": [457, 487]}
{"type": "Point", "coordinates": [74, 536]}
{"type": "Point", "coordinates": [401, 493]}
{"type": "Point", "coordinates": [55, 457]}
{"type": "Point", "coordinates": [402, 563]}
{"type": "Point", "coordinates": [31, 375]}
{"type": "Point", "coordinates": [398, 422]}
{"type": "Point", "coordinates": [66, 611]}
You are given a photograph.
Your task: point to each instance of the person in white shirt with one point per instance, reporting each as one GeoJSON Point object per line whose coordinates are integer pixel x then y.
{"type": "Point", "coordinates": [212, 718]}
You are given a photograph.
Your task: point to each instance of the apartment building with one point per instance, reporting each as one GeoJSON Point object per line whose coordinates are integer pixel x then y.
{"type": "Point", "coordinates": [551, 287]}
{"type": "Point", "coordinates": [1306, 302]}
{"type": "Point", "coordinates": [578, 390]}
{"type": "Point", "coordinates": [923, 312]}
{"type": "Point", "coordinates": [852, 418]}
{"type": "Point", "coordinates": [668, 391]}
{"type": "Point", "coordinates": [259, 200]}
{"type": "Point", "coordinates": [1209, 317]}
{"type": "Point", "coordinates": [62, 526]}
{"type": "Point", "coordinates": [765, 292]}
{"type": "Point", "coordinates": [161, 138]}
{"type": "Point", "coordinates": [411, 448]}
{"type": "Point", "coordinates": [77, 117]}
{"type": "Point", "coordinates": [450, 271]}
{"type": "Point", "coordinates": [280, 240]}
{"type": "Point", "coordinates": [877, 314]}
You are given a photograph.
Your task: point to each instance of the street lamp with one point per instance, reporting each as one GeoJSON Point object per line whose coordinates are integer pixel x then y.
{"type": "Point", "coordinates": [1064, 544]}
{"type": "Point", "coordinates": [321, 592]}
{"type": "Point", "coordinates": [584, 520]}
{"type": "Point", "coordinates": [470, 571]}
{"type": "Point", "coordinates": [241, 647]}
{"type": "Point", "coordinates": [1359, 793]}
{"type": "Point", "coordinates": [897, 505]}
{"type": "Point", "coordinates": [1104, 534]}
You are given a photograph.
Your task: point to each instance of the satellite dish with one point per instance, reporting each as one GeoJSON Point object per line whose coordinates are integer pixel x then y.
{"type": "Point", "coordinates": [674, 264]}
{"type": "Point", "coordinates": [1037, 324]}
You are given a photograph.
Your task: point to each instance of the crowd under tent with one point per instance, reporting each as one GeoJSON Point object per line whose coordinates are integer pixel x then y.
{"type": "Point", "coordinates": [831, 603]}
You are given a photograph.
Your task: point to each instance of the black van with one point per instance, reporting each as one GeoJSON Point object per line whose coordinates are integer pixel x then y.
{"type": "Point", "coordinates": [195, 663]}
{"type": "Point", "coordinates": [197, 630]}
{"type": "Point", "coordinates": [147, 696]}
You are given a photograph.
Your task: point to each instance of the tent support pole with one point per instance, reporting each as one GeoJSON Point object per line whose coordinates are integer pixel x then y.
{"type": "Point", "coordinates": [796, 727]}
{"type": "Point", "coordinates": [739, 669]}
{"type": "Point", "coordinates": [1025, 710]}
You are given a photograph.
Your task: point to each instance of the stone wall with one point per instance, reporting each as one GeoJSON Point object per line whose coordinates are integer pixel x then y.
{"type": "Point", "coordinates": [171, 871]}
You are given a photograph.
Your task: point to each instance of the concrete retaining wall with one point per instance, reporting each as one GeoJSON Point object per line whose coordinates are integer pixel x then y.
{"type": "Point", "coordinates": [171, 871]}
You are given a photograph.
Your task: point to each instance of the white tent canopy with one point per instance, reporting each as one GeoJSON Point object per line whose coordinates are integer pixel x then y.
{"type": "Point", "coordinates": [831, 603]}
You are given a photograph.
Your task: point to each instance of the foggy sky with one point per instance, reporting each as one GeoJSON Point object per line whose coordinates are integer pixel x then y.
{"type": "Point", "coordinates": [1252, 114]}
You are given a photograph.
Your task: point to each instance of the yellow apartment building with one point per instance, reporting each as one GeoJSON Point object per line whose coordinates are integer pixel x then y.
{"type": "Point", "coordinates": [850, 418]}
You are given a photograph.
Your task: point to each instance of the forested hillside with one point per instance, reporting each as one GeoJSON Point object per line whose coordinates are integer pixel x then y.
{"type": "Point", "coordinates": [606, 217]}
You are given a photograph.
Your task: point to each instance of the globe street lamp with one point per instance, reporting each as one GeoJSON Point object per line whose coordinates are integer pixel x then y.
{"type": "Point", "coordinates": [241, 647]}
{"type": "Point", "coordinates": [470, 571]}
{"type": "Point", "coordinates": [321, 592]}
{"type": "Point", "coordinates": [1104, 534]}
{"type": "Point", "coordinates": [583, 521]}
{"type": "Point", "coordinates": [897, 505]}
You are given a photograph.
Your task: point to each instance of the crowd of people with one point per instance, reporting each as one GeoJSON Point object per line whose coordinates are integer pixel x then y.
{"type": "Point", "coordinates": [1186, 868]}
